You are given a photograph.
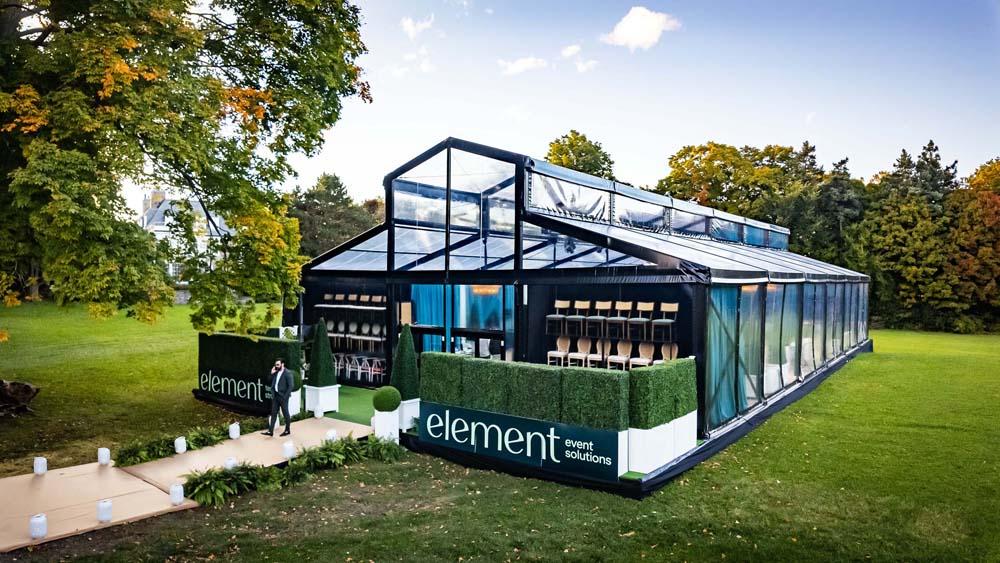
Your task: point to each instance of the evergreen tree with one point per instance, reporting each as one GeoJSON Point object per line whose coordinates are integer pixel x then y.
{"type": "Point", "coordinates": [405, 375]}
{"type": "Point", "coordinates": [321, 371]}
{"type": "Point", "coordinates": [328, 216]}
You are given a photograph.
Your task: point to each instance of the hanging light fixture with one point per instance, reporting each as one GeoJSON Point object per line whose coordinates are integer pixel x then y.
{"type": "Point", "coordinates": [485, 289]}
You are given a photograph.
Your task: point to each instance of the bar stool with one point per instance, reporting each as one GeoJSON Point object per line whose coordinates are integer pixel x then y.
{"type": "Point", "coordinates": [668, 351]}
{"type": "Point", "coordinates": [352, 333]}
{"type": "Point", "coordinates": [640, 321]}
{"type": "Point", "coordinates": [622, 310]}
{"type": "Point", "coordinates": [645, 358]}
{"type": "Point", "coordinates": [555, 323]}
{"type": "Point", "coordinates": [339, 335]}
{"type": "Point", "coordinates": [560, 353]}
{"type": "Point", "coordinates": [601, 308]}
{"type": "Point", "coordinates": [603, 350]}
{"type": "Point", "coordinates": [583, 345]}
{"type": "Point", "coordinates": [582, 309]}
{"type": "Point", "coordinates": [665, 324]}
{"type": "Point", "coordinates": [366, 330]}
{"type": "Point", "coordinates": [623, 356]}
{"type": "Point", "coordinates": [377, 334]}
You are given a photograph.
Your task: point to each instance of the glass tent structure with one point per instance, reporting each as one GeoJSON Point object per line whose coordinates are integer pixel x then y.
{"type": "Point", "coordinates": [482, 248]}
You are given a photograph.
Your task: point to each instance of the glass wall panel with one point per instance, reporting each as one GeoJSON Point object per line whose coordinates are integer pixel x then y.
{"type": "Point", "coordinates": [725, 230]}
{"type": "Point", "coordinates": [419, 198]}
{"type": "Point", "coordinates": [808, 314]}
{"type": "Point", "coordinates": [478, 307]}
{"type": "Point", "coordinates": [831, 321]}
{"type": "Point", "coordinates": [772, 338]}
{"type": "Point", "coordinates": [639, 214]}
{"type": "Point", "coordinates": [691, 223]}
{"type": "Point", "coordinates": [749, 369]}
{"type": "Point", "coordinates": [417, 247]}
{"type": "Point", "coordinates": [839, 319]}
{"type": "Point", "coordinates": [482, 203]}
{"type": "Point", "coordinates": [864, 311]}
{"type": "Point", "coordinates": [720, 356]}
{"type": "Point", "coordinates": [791, 325]}
{"type": "Point", "coordinates": [754, 235]}
{"type": "Point", "coordinates": [819, 325]}
{"type": "Point", "coordinates": [560, 197]}
{"type": "Point", "coordinates": [777, 240]}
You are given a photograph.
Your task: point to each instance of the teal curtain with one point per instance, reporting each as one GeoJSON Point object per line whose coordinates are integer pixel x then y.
{"type": "Point", "coordinates": [751, 348]}
{"type": "Point", "coordinates": [720, 356]}
{"type": "Point", "coordinates": [482, 311]}
{"type": "Point", "coordinates": [791, 325]}
{"type": "Point", "coordinates": [772, 338]}
{"type": "Point", "coordinates": [428, 310]}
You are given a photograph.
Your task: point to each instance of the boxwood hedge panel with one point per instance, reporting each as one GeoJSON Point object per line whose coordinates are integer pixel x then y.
{"type": "Point", "coordinates": [535, 391]}
{"type": "Point", "coordinates": [661, 393]}
{"type": "Point", "coordinates": [485, 385]}
{"type": "Point", "coordinates": [441, 378]}
{"type": "Point", "coordinates": [242, 354]}
{"type": "Point", "coordinates": [595, 398]}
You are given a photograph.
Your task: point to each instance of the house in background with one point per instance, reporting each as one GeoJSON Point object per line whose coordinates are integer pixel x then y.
{"type": "Point", "coordinates": [156, 218]}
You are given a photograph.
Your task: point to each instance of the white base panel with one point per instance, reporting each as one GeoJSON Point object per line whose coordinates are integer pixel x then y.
{"type": "Point", "coordinates": [409, 410]}
{"type": "Point", "coordinates": [385, 425]}
{"type": "Point", "coordinates": [325, 398]}
{"type": "Point", "coordinates": [295, 403]}
{"type": "Point", "coordinates": [650, 449]}
{"type": "Point", "coordinates": [685, 433]}
{"type": "Point", "coordinates": [623, 443]}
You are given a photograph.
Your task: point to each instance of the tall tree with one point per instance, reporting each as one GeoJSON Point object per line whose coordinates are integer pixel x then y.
{"type": "Point", "coordinates": [208, 97]}
{"type": "Point", "coordinates": [575, 151]}
{"type": "Point", "coordinates": [328, 216]}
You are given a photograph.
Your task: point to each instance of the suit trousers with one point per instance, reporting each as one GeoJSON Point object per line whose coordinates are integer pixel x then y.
{"type": "Point", "coordinates": [279, 402]}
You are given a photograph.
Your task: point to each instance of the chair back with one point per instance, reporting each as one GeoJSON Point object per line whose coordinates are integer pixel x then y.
{"type": "Point", "coordinates": [327, 296]}
{"type": "Point", "coordinates": [644, 307]}
{"type": "Point", "coordinates": [604, 348]}
{"type": "Point", "coordinates": [583, 345]}
{"type": "Point", "coordinates": [602, 306]}
{"type": "Point", "coordinates": [376, 329]}
{"type": "Point", "coordinates": [340, 326]}
{"type": "Point", "coordinates": [365, 329]}
{"type": "Point", "coordinates": [562, 344]}
{"type": "Point", "coordinates": [669, 308]}
{"type": "Point", "coordinates": [561, 305]}
{"type": "Point", "coordinates": [353, 327]}
{"type": "Point", "coordinates": [669, 351]}
{"type": "Point", "coordinates": [581, 306]}
{"type": "Point", "coordinates": [623, 306]}
{"type": "Point", "coordinates": [625, 348]}
{"type": "Point", "coordinates": [646, 350]}
{"type": "Point", "coordinates": [329, 325]}
{"type": "Point", "coordinates": [405, 313]}
{"type": "Point", "coordinates": [352, 297]}
{"type": "Point", "coordinates": [338, 297]}
{"type": "Point", "coordinates": [377, 299]}
{"type": "Point", "coordinates": [366, 298]}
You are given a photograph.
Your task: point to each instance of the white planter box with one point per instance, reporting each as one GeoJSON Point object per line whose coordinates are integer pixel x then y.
{"type": "Point", "coordinates": [685, 433]}
{"type": "Point", "coordinates": [385, 425]}
{"type": "Point", "coordinates": [294, 403]}
{"type": "Point", "coordinates": [652, 448]}
{"type": "Point", "coordinates": [408, 411]}
{"type": "Point", "coordinates": [327, 399]}
{"type": "Point", "coordinates": [623, 442]}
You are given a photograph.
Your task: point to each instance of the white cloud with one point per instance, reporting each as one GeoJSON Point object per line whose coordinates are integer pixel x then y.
{"type": "Point", "coordinates": [413, 28]}
{"type": "Point", "coordinates": [640, 28]}
{"type": "Point", "coordinates": [569, 50]}
{"type": "Point", "coordinates": [521, 65]}
{"type": "Point", "coordinates": [425, 66]}
{"type": "Point", "coordinates": [585, 66]}
{"type": "Point", "coordinates": [489, 11]}
{"type": "Point", "coordinates": [810, 117]}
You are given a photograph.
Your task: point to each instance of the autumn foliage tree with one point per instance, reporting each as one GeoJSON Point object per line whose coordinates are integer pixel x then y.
{"type": "Point", "coordinates": [210, 98]}
{"type": "Point", "coordinates": [576, 152]}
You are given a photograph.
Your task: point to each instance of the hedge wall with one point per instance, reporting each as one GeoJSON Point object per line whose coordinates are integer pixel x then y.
{"type": "Point", "coordinates": [485, 385]}
{"type": "Point", "coordinates": [441, 378]}
{"type": "Point", "coordinates": [661, 393]}
{"type": "Point", "coordinates": [535, 391]}
{"type": "Point", "coordinates": [242, 354]}
{"type": "Point", "coordinates": [595, 398]}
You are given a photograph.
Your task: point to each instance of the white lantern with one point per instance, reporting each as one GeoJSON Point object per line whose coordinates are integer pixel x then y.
{"type": "Point", "coordinates": [229, 463]}
{"type": "Point", "coordinates": [103, 456]}
{"type": "Point", "coordinates": [104, 511]}
{"type": "Point", "coordinates": [318, 413]}
{"type": "Point", "coordinates": [234, 430]}
{"type": "Point", "coordinates": [176, 494]}
{"type": "Point", "coordinates": [180, 444]}
{"type": "Point", "coordinates": [288, 449]}
{"type": "Point", "coordinates": [331, 435]}
{"type": "Point", "coordinates": [41, 465]}
{"type": "Point", "coordinates": [39, 526]}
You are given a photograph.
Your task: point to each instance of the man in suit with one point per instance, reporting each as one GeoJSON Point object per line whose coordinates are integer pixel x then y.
{"type": "Point", "coordinates": [281, 390]}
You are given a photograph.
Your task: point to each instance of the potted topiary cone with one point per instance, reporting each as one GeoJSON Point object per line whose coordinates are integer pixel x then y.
{"type": "Point", "coordinates": [322, 390]}
{"type": "Point", "coordinates": [406, 378]}
{"type": "Point", "coordinates": [385, 422]}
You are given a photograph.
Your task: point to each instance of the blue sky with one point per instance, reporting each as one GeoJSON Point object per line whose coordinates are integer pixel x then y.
{"type": "Point", "coordinates": [860, 79]}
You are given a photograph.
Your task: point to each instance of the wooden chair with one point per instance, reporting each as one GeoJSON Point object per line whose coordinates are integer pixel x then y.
{"type": "Point", "coordinates": [645, 358]}
{"type": "Point", "coordinates": [665, 324]}
{"type": "Point", "coordinates": [405, 313]}
{"type": "Point", "coordinates": [597, 320]}
{"type": "Point", "coordinates": [583, 345]}
{"type": "Point", "coordinates": [623, 356]}
{"type": "Point", "coordinates": [615, 326]}
{"type": "Point", "coordinates": [574, 322]}
{"type": "Point", "coordinates": [555, 323]}
{"type": "Point", "coordinates": [668, 351]}
{"type": "Point", "coordinates": [599, 358]}
{"type": "Point", "coordinates": [560, 353]}
{"type": "Point", "coordinates": [338, 297]}
{"type": "Point", "coordinates": [639, 322]}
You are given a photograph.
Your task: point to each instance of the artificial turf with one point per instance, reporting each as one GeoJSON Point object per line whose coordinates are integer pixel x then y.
{"type": "Point", "coordinates": [894, 457]}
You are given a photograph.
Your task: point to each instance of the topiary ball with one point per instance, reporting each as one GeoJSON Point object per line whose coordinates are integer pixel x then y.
{"type": "Point", "coordinates": [386, 399]}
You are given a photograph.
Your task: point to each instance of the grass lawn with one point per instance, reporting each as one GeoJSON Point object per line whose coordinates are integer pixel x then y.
{"type": "Point", "coordinates": [894, 457]}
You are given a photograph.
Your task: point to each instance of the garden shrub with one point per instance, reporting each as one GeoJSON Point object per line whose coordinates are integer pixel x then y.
{"type": "Point", "coordinates": [441, 378]}
{"type": "Point", "coordinates": [321, 372]}
{"type": "Point", "coordinates": [661, 393]}
{"type": "Point", "coordinates": [405, 376]}
{"type": "Point", "coordinates": [243, 354]}
{"type": "Point", "coordinates": [595, 398]}
{"type": "Point", "coordinates": [386, 399]}
{"type": "Point", "coordinates": [535, 391]}
{"type": "Point", "coordinates": [485, 385]}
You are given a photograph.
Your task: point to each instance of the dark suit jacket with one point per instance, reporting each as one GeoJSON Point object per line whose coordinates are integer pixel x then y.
{"type": "Point", "coordinates": [284, 381]}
